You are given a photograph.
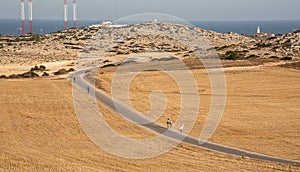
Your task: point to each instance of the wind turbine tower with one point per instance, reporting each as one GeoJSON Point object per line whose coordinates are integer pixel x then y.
{"type": "Point", "coordinates": [75, 13]}
{"type": "Point", "coordinates": [66, 14]}
{"type": "Point", "coordinates": [22, 17]}
{"type": "Point", "coordinates": [30, 15]}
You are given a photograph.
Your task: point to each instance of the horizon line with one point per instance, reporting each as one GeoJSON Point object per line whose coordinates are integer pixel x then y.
{"type": "Point", "coordinates": [184, 19]}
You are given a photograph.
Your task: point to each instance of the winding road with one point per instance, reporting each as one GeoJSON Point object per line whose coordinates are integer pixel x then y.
{"type": "Point", "coordinates": [132, 115]}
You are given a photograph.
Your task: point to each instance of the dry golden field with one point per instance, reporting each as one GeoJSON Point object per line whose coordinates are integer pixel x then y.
{"type": "Point", "coordinates": [40, 132]}
{"type": "Point", "coordinates": [261, 112]}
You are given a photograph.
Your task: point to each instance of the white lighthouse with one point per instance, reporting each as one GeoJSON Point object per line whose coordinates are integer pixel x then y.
{"type": "Point", "coordinates": [258, 30]}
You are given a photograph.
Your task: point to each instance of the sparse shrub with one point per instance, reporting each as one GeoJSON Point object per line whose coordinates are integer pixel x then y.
{"type": "Point", "coordinates": [61, 72]}
{"type": "Point", "coordinates": [38, 68]}
{"type": "Point", "coordinates": [62, 37]}
{"type": "Point", "coordinates": [286, 58]}
{"type": "Point", "coordinates": [132, 30]}
{"type": "Point", "coordinates": [17, 39]}
{"type": "Point", "coordinates": [273, 57]}
{"type": "Point", "coordinates": [275, 48]}
{"type": "Point", "coordinates": [70, 43]}
{"type": "Point", "coordinates": [93, 49]}
{"type": "Point", "coordinates": [75, 48]}
{"type": "Point", "coordinates": [263, 45]}
{"type": "Point", "coordinates": [13, 76]}
{"type": "Point", "coordinates": [232, 55]}
{"type": "Point", "coordinates": [29, 75]}
{"type": "Point", "coordinates": [45, 74]}
{"type": "Point", "coordinates": [106, 61]}
{"type": "Point", "coordinates": [84, 38]}
{"type": "Point", "coordinates": [271, 38]}
{"type": "Point", "coordinates": [3, 77]}
{"type": "Point", "coordinates": [42, 67]}
{"type": "Point", "coordinates": [252, 56]}
{"type": "Point", "coordinates": [35, 68]}
{"type": "Point", "coordinates": [288, 41]}
{"type": "Point", "coordinates": [71, 70]}
{"type": "Point", "coordinates": [135, 51]}
{"type": "Point", "coordinates": [35, 38]}
{"type": "Point", "coordinates": [84, 51]}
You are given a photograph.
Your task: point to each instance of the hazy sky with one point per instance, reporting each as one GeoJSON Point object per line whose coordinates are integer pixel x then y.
{"type": "Point", "coordinates": [186, 9]}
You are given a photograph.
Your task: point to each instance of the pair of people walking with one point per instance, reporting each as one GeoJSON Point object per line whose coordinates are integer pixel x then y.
{"type": "Point", "coordinates": [169, 125]}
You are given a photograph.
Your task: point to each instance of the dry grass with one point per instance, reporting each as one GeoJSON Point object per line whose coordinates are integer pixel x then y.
{"type": "Point", "coordinates": [261, 113]}
{"type": "Point", "coordinates": [40, 132]}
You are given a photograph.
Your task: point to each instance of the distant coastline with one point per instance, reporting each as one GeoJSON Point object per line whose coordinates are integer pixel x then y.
{"type": "Point", "coordinates": [247, 27]}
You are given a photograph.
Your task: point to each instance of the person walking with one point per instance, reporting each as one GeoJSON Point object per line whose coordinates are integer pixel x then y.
{"type": "Point", "coordinates": [181, 128]}
{"type": "Point", "coordinates": [169, 123]}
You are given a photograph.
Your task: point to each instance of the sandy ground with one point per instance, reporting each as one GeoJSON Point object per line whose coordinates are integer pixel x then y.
{"type": "Point", "coordinates": [40, 132]}
{"type": "Point", "coordinates": [261, 113]}
{"type": "Point", "coordinates": [51, 67]}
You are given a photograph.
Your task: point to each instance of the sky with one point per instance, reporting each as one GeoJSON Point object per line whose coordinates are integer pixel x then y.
{"type": "Point", "coordinates": [185, 9]}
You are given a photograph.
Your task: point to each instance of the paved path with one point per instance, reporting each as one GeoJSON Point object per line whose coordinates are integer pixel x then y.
{"type": "Point", "coordinates": [137, 117]}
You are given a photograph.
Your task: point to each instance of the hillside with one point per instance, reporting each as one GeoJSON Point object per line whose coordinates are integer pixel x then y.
{"type": "Point", "coordinates": [30, 50]}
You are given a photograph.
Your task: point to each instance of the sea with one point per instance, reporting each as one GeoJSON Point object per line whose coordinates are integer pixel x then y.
{"type": "Point", "coordinates": [12, 26]}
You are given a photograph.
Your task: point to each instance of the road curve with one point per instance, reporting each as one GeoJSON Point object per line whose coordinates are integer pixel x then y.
{"type": "Point", "coordinates": [79, 82]}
